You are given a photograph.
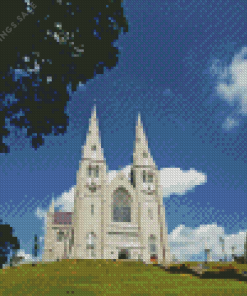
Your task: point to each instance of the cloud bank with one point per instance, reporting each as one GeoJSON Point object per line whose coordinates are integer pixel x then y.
{"type": "Point", "coordinates": [187, 243]}
{"type": "Point", "coordinates": [232, 86]}
{"type": "Point", "coordinates": [179, 182]}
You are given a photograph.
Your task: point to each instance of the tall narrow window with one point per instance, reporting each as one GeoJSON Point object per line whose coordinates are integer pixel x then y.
{"type": "Point", "coordinates": [150, 214]}
{"type": "Point", "coordinates": [92, 210]}
{"type": "Point", "coordinates": [150, 178]}
{"type": "Point", "coordinates": [152, 245]}
{"type": "Point", "coordinates": [91, 243]}
{"type": "Point", "coordinates": [97, 172]}
{"type": "Point", "coordinates": [93, 172]}
{"type": "Point", "coordinates": [144, 176]}
{"type": "Point", "coordinates": [60, 236]}
{"type": "Point", "coordinates": [121, 206]}
{"type": "Point", "coordinates": [90, 240]}
{"type": "Point", "coordinates": [89, 171]}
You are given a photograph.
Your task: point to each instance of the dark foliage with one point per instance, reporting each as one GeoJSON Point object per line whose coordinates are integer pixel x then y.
{"type": "Point", "coordinates": [8, 242]}
{"type": "Point", "coordinates": [67, 42]}
{"type": "Point", "coordinates": [36, 246]}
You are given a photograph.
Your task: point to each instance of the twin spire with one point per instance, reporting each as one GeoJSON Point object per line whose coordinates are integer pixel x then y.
{"type": "Point", "coordinates": [52, 206]}
{"type": "Point", "coordinates": [93, 150]}
{"type": "Point", "coordinates": [141, 155]}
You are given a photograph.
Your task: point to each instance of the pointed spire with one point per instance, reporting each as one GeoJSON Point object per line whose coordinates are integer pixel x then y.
{"type": "Point", "coordinates": [121, 174]}
{"type": "Point", "coordinates": [92, 148]}
{"type": "Point", "coordinates": [141, 154]}
{"type": "Point", "coordinates": [52, 207]}
{"type": "Point", "coordinates": [140, 135]}
{"type": "Point", "coordinates": [139, 119]}
{"type": "Point", "coordinates": [94, 113]}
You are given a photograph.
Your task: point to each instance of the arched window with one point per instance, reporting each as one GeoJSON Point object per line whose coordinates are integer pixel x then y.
{"type": "Point", "coordinates": [121, 206]}
{"type": "Point", "coordinates": [145, 155]}
{"type": "Point", "coordinates": [147, 177]}
{"type": "Point", "coordinates": [93, 172]}
{"type": "Point", "coordinates": [97, 172]}
{"type": "Point", "coordinates": [144, 176]}
{"type": "Point", "coordinates": [150, 214]}
{"type": "Point", "coordinates": [150, 178]}
{"type": "Point", "coordinates": [91, 238]}
{"type": "Point", "coordinates": [152, 245]}
{"type": "Point", "coordinates": [92, 209]}
{"type": "Point", "coordinates": [60, 236]}
{"type": "Point", "coordinates": [89, 171]}
{"type": "Point", "coordinates": [91, 243]}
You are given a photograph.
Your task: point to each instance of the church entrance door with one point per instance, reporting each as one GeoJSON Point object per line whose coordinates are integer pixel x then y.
{"type": "Point", "coordinates": [154, 258]}
{"type": "Point", "coordinates": [123, 254]}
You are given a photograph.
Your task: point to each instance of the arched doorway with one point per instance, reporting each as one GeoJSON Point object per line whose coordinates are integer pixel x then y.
{"type": "Point", "coordinates": [152, 247]}
{"type": "Point", "coordinates": [123, 254]}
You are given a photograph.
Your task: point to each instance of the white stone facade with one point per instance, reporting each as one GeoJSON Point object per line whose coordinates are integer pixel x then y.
{"type": "Point", "coordinates": [117, 219]}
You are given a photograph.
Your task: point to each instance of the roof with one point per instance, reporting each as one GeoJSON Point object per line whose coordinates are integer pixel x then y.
{"type": "Point", "coordinates": [64, 218]}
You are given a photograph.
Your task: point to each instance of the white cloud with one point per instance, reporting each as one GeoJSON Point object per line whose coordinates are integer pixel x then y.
{"type": "Point", "coordinates": [65, 202]}
{"type": "Point", "coordinates": [22, 253]}
{"type": "Point", "coordinates": [173, 180]}
{"type": "Point", "coordinates": [41, 214]}
{"type": "Point", "coordinates": [176, 181]}
{"type": "Point", "coordinates": [230, 123]}
{"type": "Point", "coordinates": [185, 242]}
{"type": "Point", "coordinates": [232, 85]}
{"type": "Point", "coordinates": [113, 173]}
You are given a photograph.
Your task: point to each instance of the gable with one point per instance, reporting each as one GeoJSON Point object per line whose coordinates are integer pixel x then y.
{"type": "Point", "coordinates": [121, 181]}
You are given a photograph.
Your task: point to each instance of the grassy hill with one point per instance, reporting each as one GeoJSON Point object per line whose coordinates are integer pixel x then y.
{"type": "Point", "coordinates": [106, 277]}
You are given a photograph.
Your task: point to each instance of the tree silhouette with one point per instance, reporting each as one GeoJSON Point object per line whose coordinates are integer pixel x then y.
{"type": "Point", "coordinates": [8, 242]}
{"type": "Point", "coordinates": [55, 43]}
{"type": "Point", "coordinates": [36, 246]}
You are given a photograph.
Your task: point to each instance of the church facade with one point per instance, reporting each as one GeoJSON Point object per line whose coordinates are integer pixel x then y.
{"type": "Point", "coordinates": [122, 218]}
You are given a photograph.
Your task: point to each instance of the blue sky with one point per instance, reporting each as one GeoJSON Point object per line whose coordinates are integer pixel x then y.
{"type": "Point", "coordinates": [183, 66]}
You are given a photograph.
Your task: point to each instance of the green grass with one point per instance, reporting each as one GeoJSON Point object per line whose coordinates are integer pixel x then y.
{"type": "Point", "coordinates": [102, 277]}
{"type": "Point", "coordinates": [240, 267]}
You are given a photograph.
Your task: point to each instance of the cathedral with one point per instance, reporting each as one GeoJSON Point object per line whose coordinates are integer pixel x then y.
{"type": "Point", "coordinates": [123, 218]}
